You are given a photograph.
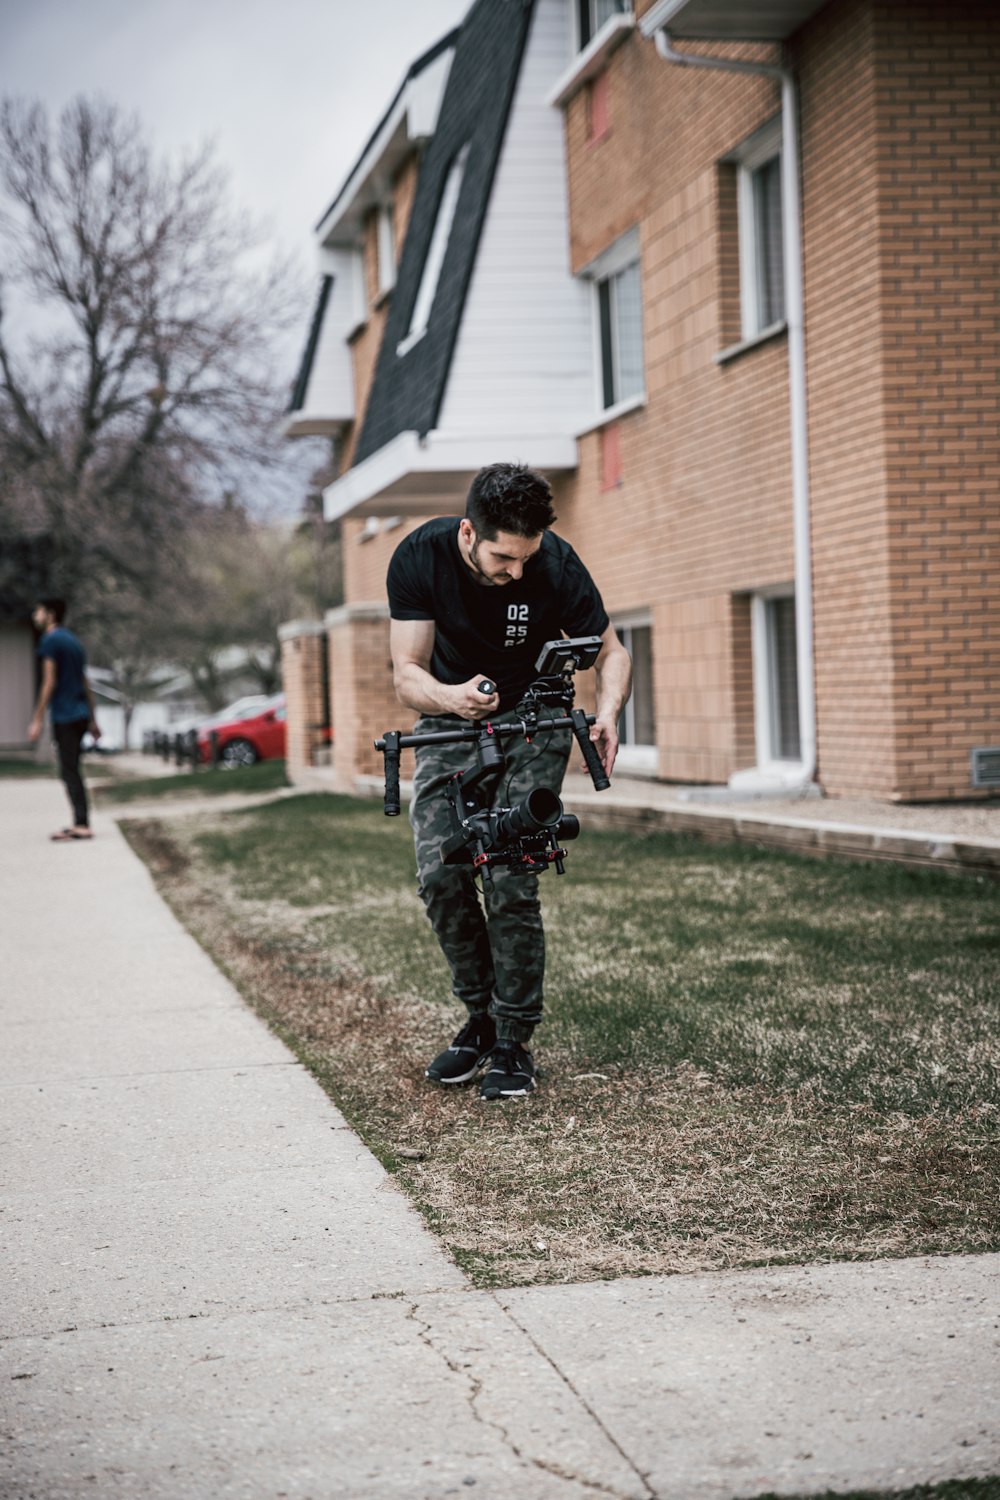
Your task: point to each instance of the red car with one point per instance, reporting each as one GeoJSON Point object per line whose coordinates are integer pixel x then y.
{"type": "Point", "coordinates": [242, 742]}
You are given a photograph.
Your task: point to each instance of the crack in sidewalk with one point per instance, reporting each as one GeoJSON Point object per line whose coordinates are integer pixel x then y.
{"type": "Point", "coordinates": [579, 1397]}
{"type": "Point", "coordinates": [475, 1392]}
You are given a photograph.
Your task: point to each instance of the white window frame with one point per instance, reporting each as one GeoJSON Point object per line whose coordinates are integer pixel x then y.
{"type": "Point", "coordinates": [765, 699]}
{"type": "Point", "coordinates": [610, 263]}
{"type": "Point", "coordinates": [763, 146]}
{"type": "Point", "coordinates": [385, 239]}
{"type": "Point", "coordinates": [636, 760]}
{"type": "Point", "coordinates": [434, 261]}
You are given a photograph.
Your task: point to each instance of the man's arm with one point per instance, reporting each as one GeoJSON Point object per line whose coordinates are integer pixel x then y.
{"type": "Point", "coordinates": [411, 643]}
{"type": "Point", "coordinates": [45, 692]}
{"type": "Point", "coordinates": [614, 683]}
{"type": "Point", "coordinates": [93, 726]}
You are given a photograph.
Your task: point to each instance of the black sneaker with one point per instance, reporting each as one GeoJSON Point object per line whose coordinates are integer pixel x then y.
{"type": "Point", "coordinates": [511, 1073]}
{"type": "Point", "coordinates": [468, 1053]}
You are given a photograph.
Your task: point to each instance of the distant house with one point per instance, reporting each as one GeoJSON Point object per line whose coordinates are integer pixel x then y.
{"type": "Point", "coordinates": [726, 273]}
{"type": "Point", "coordinates": [17, 682]}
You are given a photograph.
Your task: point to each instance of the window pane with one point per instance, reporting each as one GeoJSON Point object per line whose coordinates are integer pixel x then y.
{"type": "Point", "coordinates": [784, 679]}
{"type": "Point", "coordinates": [605, 9]}
{"type": "Point", "coordinates": [637, 725]}
{"type": "Point", "coordinates": [767, 236]}
{"type": "Point", "coordinates": [628, 329]}
{"type": "Point", "coordinates": [607, 355]}
{"type": "Point", "coordinates": [642, 685]}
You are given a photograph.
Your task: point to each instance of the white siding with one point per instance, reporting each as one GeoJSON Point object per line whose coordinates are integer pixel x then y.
{"type": "Point", "coordinates": [523, 361]}
{"type": "Point", "coordinates": [330, 393]}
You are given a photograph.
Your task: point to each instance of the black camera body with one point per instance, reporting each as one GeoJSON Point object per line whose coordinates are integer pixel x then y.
{"type": "Point", "coordinates": [526, 838]}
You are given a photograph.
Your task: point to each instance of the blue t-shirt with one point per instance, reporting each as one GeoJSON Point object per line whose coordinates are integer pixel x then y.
{"type": "Point", "coordinates": [69, 702]}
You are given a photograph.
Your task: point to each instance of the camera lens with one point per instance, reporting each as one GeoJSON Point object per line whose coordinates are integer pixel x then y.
{"type": "Point", "coordinates": [540, 809]}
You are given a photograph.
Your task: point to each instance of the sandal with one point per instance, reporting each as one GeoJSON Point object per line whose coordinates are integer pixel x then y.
{"type": "Point", "coordinates": [68, 836]}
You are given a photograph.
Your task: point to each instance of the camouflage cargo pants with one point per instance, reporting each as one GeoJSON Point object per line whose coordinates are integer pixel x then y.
{"type": "Point", "coordinates": [496, 955]}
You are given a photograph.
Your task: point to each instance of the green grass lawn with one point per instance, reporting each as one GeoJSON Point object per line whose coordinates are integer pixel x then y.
{"type": "Point", "coordinates": [265, 776]}
{"type": "Point", "coordinates": [95, 768]}
{"type": "Point", "coordinates": [749, 1058]}
{"type": "Point", "coordinates": [10, 766]}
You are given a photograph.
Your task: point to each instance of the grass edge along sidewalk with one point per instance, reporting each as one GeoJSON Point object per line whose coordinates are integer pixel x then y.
{"type": "Point", "coordinates": [750, 1058]}
{"type": "Point", "coordinates": [987, 1488]}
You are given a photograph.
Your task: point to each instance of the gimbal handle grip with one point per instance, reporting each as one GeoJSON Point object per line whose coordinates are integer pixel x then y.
{"type": "Point", "coordinates": [390, 747]}
{"type": "Point", "coordinates": [590, 755]}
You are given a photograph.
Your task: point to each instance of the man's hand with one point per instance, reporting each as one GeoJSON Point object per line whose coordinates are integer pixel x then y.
{"type": "Point", "coordinates": [604, 737]}
{"type": "Point", "coordinates": [34, 729]}
{"type": "Point", "coordinates": [93, 729]}
{"type": "Point", "coordinates": [470, 703]}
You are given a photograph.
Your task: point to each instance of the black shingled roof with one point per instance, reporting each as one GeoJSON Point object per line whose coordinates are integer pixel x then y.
{"type": "Point", "coordinates": [406, 392]}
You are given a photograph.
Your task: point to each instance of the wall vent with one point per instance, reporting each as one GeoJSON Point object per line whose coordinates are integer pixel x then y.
{"type": "Point", "coordinates": [986, 766]}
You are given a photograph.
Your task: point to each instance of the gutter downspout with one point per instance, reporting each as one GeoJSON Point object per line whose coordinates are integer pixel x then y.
{"type": "Point", "coordinates": [795, 318]}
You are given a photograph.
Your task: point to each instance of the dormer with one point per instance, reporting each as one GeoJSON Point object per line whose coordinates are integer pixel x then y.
{"type": "Point", "coordinates": [324, 401]}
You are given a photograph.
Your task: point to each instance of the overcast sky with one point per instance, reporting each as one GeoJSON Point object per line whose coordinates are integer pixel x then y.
{"type": "Point", "coordinates": [289, 90]}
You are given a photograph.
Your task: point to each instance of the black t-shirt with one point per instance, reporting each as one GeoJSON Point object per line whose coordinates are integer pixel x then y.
{"type": "Point", "coordinates": [498, 630]}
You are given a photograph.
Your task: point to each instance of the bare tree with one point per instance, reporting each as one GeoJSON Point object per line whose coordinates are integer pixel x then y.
{"type": "Point", "coordinates": [239, 579]}
{"type": "Point", "coordinates": [141, 369]}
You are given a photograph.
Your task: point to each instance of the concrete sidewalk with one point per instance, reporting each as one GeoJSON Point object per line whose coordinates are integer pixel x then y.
{"type": "Point", "coordinates": [212, 1289]}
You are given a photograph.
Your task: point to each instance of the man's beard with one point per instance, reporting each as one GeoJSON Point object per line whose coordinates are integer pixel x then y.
{"type": "Point", "coordinates": [480, 574]}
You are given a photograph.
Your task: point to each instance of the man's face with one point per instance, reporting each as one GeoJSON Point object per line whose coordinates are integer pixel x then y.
{"type": "Point", "coordinates": [41, 617]}
{"type": "Point", "coordinates": [499, 561]}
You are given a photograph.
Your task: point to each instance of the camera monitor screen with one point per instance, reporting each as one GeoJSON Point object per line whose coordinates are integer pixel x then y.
{"type": "Point", "coordinates": [568, 656]}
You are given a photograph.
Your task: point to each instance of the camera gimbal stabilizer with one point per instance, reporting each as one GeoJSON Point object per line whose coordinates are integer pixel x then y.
{"type": "Point", "coordinates": [525, 838]}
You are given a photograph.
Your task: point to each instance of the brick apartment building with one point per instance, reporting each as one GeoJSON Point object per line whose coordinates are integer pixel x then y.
{"type": "Point", "coordinates": [746, 320]}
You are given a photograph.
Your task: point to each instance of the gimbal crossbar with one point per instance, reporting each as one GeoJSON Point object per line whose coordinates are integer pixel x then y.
{"type": "Point", "coordinates": [524, 838]}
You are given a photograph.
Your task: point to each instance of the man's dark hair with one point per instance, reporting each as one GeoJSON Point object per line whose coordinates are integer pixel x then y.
{"type": "Point", "coordinates": [509, 497]}
{"type": "Point", "coordinates": [56, 608]}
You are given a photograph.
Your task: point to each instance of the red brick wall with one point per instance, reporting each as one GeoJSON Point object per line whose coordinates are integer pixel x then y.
{"type": "Point", "coordinates": [302, 669]}
{"type": "Point", "coordinates": [363, 701]}
{"type": "Point", "coordinates": [840, 205]}
{"type": "Point", "coordinates": [703, 510]}
{"type": "Point", "coordinates": [938, 112]}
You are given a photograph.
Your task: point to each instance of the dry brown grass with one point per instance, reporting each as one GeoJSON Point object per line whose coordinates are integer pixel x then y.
{"type": "Point", "coordinates": [617, 1172]}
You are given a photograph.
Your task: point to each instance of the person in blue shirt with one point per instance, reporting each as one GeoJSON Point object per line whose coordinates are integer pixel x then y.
{"type": "Point", "coordinates": [66, 693]}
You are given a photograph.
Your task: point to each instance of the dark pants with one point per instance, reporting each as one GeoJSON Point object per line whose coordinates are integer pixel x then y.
{"type": "Point", "coordinates": [69, 739]}
{"type": "Point", "coordinates": [497, 955]}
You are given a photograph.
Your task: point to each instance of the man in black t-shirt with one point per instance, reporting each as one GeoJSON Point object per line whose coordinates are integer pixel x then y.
{"type": "Point", "coordinates": [471, 600]}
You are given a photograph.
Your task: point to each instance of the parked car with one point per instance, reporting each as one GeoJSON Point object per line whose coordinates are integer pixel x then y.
{"type": "Point", "coordinates": [243, 740]}
{"type": "Point", "coordinates": [240, 708]}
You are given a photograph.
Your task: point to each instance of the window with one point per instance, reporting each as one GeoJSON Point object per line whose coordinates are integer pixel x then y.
{"type": "Point", "coordinates": [776, 687]}
{"type": "Point", "coordinates": [359, 296]}
{"type": "Point", "coordinates": [436, 253]}
{"type": "Point", "coordinates": [592, 14]}
{"type": "Point", "coordinates": [637, 725]}
{"type": "Point", "coordinates": [386, 242]}
{"type": "Point", "coordinates": [762, 273]}
{"type": "Point", "coordinates": [619, 321]}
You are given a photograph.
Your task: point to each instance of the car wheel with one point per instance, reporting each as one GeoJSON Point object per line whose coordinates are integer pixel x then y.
{"type": "Point", "coordinates": [237, 753]}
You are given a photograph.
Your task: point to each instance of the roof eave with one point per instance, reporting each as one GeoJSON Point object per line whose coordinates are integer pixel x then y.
{"type": "Point", "coordinates": [406, 124]}
{"type": "Point", "coordinates": [729, 20]}
{"type": "Point", "coordinates": [417, 476]}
